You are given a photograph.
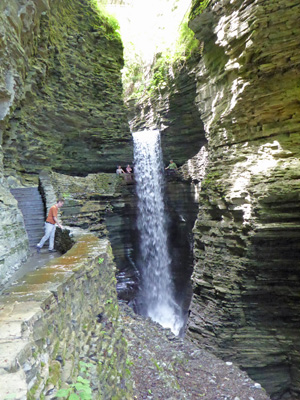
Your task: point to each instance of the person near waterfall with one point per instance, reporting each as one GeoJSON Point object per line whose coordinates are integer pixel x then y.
{"type": "Point", "coordinates": [119, 170]}
{"type": "Point", "coordinates": [172, 167]}
{"type": "Point", "coordinates": [50, 226]}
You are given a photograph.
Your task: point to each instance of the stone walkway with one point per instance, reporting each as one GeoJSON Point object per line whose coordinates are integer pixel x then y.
{"type": "Point", "coordinates": [35, 261]}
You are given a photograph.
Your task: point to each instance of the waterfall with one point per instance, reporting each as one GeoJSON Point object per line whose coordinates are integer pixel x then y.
{"type": "Point", "coordinates": [157, 289]}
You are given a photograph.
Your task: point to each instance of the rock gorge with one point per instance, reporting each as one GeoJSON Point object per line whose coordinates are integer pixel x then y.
{"type": "Point", "coordinates": [247, 248]}
{"type": "Point", "coordinates": [246, 273]}
{"type": "Point", "coordinates": [230, 115]}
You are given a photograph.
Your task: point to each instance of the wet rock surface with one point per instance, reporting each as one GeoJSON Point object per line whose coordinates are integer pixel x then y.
{"type": "Point", "coordinates": [246, 239]}
{"type": "Point", "coordinates": [181, 210]}
{"type": "Point", "coordinates": [13, 237]}
{"type": "Point", "coordinates": [163, 366]}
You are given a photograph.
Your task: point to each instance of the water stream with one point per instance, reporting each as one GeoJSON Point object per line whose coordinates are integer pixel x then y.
{"type": "Point", "coordinates": [157, 288]}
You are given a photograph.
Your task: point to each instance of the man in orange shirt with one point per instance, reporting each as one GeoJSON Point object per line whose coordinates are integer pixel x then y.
{"type": "Point", "coordinates": [50, 226]}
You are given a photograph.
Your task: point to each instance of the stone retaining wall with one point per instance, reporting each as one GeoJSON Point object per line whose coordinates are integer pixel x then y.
{"type": "Point", "coordinates": [61, 322]}
{"type": "Point", "coordinates": [60, 89]}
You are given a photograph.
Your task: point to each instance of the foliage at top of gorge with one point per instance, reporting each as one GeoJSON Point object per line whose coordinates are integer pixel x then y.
{"type": "Point", "coordinates": [198, 6]}
{"type": "Point", "coordinates": [109, 24]}
{"type": "Point", "coordinates": [141, 80]}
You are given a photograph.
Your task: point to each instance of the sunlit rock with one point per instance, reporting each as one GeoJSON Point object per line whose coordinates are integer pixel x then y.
{"type": "Point", "coordinates": [245, 306]}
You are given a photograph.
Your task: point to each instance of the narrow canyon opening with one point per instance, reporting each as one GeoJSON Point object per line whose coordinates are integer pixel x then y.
{"type": "Point", "coordinates": [211, 251]}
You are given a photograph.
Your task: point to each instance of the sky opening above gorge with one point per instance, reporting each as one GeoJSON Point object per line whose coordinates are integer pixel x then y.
{"type": "Point", "coordinates": [147, 26]}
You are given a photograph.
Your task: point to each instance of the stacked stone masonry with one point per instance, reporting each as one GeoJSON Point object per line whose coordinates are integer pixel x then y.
{"type": "Point", "coordinates": [60, 322]}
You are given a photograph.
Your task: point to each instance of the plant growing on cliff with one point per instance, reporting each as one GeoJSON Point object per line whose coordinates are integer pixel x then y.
{"type": "Point", "coordinates": [110, 26]}
{"type": "Point", "coordinates": [167, 63]}
{"type": "Point", "coordinates": [198, 6]}
{"type": "Point", "coordinates": [81, 390]}
{"type": "Point", "coordinates": [139, 79]}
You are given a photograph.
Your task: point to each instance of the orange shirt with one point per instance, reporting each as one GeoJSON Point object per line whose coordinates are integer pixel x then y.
{"type": "Point", "coordinates": [52, 213]}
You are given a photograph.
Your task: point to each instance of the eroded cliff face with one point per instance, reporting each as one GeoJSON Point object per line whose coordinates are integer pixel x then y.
{"type": "Point", "coordinates": [61, 103]}
{"type": "Point", "coordinates": [61, 95]}
{"type": "Point", "coordinates": [172, 110]}
{"type": "Point", "coordinates": [246, 299]}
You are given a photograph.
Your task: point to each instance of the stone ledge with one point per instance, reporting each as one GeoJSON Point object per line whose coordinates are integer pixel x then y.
{"type": "Point", "coordinates": [48, 312]}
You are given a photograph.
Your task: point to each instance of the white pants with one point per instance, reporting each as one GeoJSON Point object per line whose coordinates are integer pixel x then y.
{"type": "Point", "coordinates": [49, 234]}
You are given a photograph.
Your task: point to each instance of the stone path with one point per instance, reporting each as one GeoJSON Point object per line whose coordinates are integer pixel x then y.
{"type": "Point", "coordinates": [31, 204]}
{"type": "Point", "coordinates": [35, 261]}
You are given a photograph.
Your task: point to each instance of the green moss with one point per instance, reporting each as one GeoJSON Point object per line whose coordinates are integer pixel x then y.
{"type": "Point", "coordinates": [55, 349]}
{"type": "Point", "coordinates": [163, 68]}
{"type": "Point", "coordinates": [54, 373]}
{"type": "Point", "coordinates": [31, 395]}
{"type": "Point", "coordinates": [198, 6]}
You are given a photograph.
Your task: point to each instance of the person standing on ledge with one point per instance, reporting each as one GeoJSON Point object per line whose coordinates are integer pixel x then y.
{"type": "Point", "coordinates": [119, 170]}
{"type": "Point", "coordinates": [50, 226]}
{"type": "Point", "coordinates": [172, 167]}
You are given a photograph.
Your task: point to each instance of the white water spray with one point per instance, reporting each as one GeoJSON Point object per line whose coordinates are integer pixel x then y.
{"type": "Point", "coordinates": [157, 286]}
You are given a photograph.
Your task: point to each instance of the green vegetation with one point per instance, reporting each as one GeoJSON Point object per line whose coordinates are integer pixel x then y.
{"type": "Point", "coordinates": [81, 390]}
{"type": "Point", "coordinates": [198, 6]}
{"type": "Point", "coordinates": [137, 79]}
{"type": "Point", "coordinates": [110, 26]}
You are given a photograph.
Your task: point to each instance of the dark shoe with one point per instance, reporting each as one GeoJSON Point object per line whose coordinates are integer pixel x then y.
{"type": "Point", "coordinates": [38, 249]}
{"type": "Point", "coordinates": [52, 251]}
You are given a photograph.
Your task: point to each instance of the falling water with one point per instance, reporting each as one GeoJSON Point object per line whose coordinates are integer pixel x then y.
{"type": "Point", "coordinates": [157, 287]}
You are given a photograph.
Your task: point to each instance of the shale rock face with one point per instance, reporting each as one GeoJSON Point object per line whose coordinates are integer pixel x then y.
{"type": "Point", "coordinates": [60, 88]}
{"type": "Point", "coordinates": [247, 248]}
{"type": "Point", "coordinates": [173, 112]}
{"type": "Point", "coordinates": [136, 357]}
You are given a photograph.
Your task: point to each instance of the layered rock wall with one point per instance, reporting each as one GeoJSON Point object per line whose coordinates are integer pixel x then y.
{"type": "Point", "coordinates": [61, 326]}
{"type": "Point", "coordinates": [60, 102]}
{"type": "Point", "coordinates": [246, 303]}
{"type": "Point", "coordinates": [60, 88]}
{"type": "Point", "coordinates": [172, 110]}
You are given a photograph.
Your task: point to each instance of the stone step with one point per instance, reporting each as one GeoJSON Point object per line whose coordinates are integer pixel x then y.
{"type": "Point", "coordinates": [36, 231]}
{"type": "Point", "coordinates": [31, 196]}
{"type": "Point", "coordinates": [31, 205]}
{"type": "Point", "coordinates": [25, 190]}
{"type": "Point", "coordinates": [36, 239]}
{"type": "Point", "coordinates": [32, 227]}
{"type": "Point", "coordinates": [37, 216]}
